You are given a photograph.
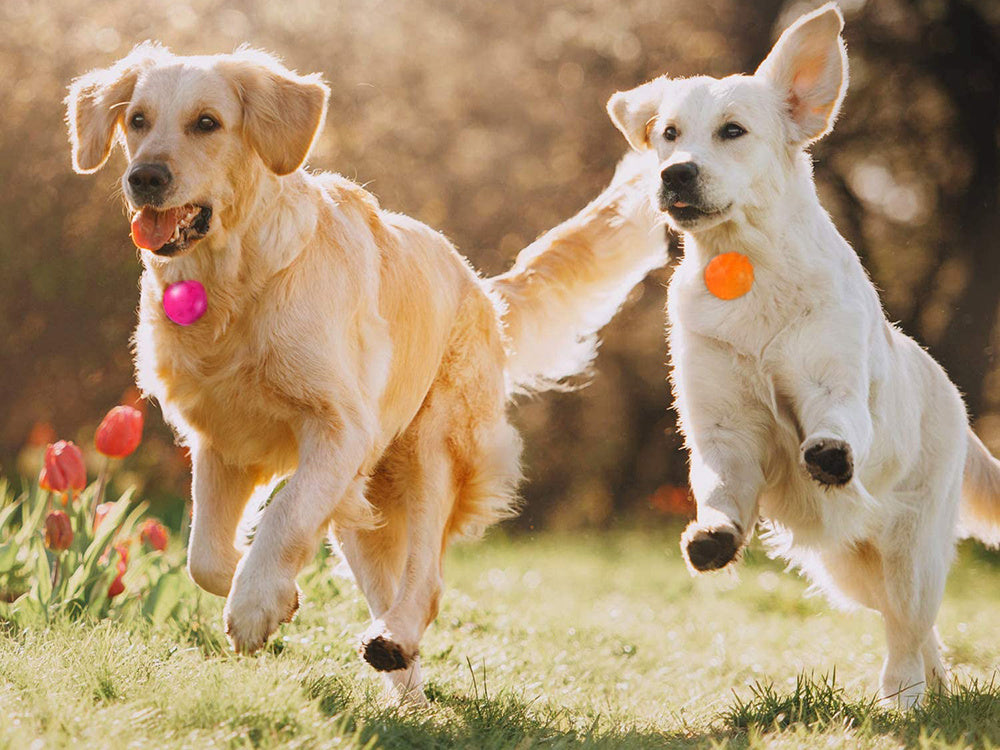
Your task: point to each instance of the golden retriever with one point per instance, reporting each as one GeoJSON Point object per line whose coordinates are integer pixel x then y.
{"type": "Point", "coordinates": [348, 348]}
{"type": "Point", "coordinates": [800, 402]}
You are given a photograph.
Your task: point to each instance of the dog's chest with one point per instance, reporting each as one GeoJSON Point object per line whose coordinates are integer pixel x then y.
{"type": "Point", "coordinates": [222, 390]}
{"type": "Point", "coordinates": [750, 324]}
{"type": "Point", "coordinates": [760, 338]}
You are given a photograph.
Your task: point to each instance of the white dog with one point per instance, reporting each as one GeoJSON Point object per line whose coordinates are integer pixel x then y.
{"type": "Point", "coordinates": [800, 402]}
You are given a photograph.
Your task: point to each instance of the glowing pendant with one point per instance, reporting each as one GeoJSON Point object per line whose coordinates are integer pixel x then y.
{"type": "Point", "coordinates": [185, 302]}
{"type": "Point", "coordinates": [729, 275]}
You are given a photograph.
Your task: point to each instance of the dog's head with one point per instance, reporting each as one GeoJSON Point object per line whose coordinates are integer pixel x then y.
{"type": "Point", "coordinates": [196, 132]}
{"type": "Point", "coordinates": [725, 144]}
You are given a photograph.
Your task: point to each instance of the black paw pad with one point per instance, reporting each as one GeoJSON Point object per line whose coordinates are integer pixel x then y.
{"type": "Point", "coordinates": [829, 462]}
{"type": "Point", "coordinates": [384, 655]}
{"type": "Point", "coordinates": [711, 550]}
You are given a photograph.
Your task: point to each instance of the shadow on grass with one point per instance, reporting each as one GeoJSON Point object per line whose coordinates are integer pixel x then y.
{"type": "Point", "coordinates": [968, 714]}
{"type": "Point", "coordinates": [486, 722]}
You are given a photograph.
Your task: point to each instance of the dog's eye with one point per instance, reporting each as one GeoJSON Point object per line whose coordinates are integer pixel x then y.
{"type": "Point", "coordinates": [137, 121]}
{"type": "Point", "coordinates": [670, 133]}
{"type": "Point", "coordinates": [731, 130]}
{"type": "Point", "coordinates": [207, 124]}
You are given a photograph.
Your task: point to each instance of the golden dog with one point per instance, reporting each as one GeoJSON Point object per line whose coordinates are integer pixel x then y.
{"type": "Point", "coordinates": [350, 349]}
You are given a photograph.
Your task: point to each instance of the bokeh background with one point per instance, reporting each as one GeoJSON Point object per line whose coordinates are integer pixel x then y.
{"type": "Point", "coordinates": [486, 120]}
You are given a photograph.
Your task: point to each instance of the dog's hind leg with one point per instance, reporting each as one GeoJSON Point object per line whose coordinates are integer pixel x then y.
{"type": "Point", "coordinates": [908, 610]}
{"type": "Point", "coordinates": [453, 471]}
{"type": "Point", "coordinates": [916, 555]}
{"type": "Point", "coordinates": [914, 568]}
{"type": "Point", "coordinates": [935, 671]}
{"type": "Point", "coordinates": [391, 643]}
{"type": "Point", "coordinates": [376, 558]}
{"type": "Point", "coordinates": [904, 582]}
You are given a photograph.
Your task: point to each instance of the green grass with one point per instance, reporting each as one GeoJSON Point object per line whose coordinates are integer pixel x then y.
{"type": "Point", "coordinates": [596, 640]}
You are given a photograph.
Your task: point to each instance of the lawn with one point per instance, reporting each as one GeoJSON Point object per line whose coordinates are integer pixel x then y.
{"type": "Point", "coordinates": [549, 640]}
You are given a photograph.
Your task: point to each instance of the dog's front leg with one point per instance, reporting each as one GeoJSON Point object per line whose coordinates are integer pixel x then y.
{"type": "Point", "coordinates": [220, 492]}
{"type": "Point", "coordinates": [327, 486]}
{"type": "Point", "coordinates": [831, 389]}
{"type": "Point", "coordinates": [727, 435]}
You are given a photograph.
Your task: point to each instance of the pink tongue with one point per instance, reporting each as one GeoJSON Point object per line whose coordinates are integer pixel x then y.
{"type": "Point", "coordinates": [152, 229]}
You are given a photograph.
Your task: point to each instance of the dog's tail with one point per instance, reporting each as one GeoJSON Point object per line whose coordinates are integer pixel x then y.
{"type": "Point", "coordinates": [980, 510]}
{"type": "Point", "coordinates": [566, 285]}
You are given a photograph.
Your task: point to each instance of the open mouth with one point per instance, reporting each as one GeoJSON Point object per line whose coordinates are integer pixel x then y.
{"type": "Point", "coordinates": [170, 231]}
{"type": "Point", "coordinates": [685, 213]}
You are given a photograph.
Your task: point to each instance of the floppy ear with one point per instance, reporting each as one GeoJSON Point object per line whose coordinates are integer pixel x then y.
{"type": "Point", "coordinates": [809, 66]}
{"type": "Point", "coordinates": [282, 111]}
{"type": "Point", "coordinates": [95, 106]}
{"type": "Point", "coordinates": [634, 112]}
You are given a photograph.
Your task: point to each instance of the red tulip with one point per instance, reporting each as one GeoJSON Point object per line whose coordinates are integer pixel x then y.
{"type": "Point", "coordinates": [122, 550]}
{"type": "Point", "coordinates": [100, 513]}
{"type": "Point", "coordinates": [118, 585]}
{"type": "Point", "coordinates": [154, 534]}
{"type": "Point", "coordinates": [119, 432]}
{"type": "Point", "coordinates": [58, 531]}
{"type": "Point", "coordinates": [64, 468]}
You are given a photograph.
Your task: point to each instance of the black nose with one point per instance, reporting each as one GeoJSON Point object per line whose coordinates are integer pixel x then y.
{"type": "Point", "coordinates": [678, 176]}
{"type": "Point", "coordinates": [149, 181]}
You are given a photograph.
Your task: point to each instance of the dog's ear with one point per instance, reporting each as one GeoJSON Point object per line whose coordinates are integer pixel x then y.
{"type": "Point", "coordinates": [282, 111]}
{"type": "Point", "coordinates": [808, 65]}
{"type": "Point", "coordinates": [95, 106]}
{"type": "Point", "coordinates": [634, 111]}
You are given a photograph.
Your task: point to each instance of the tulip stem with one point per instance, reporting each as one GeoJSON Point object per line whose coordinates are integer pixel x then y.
{"type": "Point", "coordinates": [55, 572]}
{"type": "Point", "coordinates": [102, 483]}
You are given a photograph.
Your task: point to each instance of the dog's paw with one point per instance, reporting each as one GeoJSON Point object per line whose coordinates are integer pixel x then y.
{"type": "Point", "coordinates": [251, 617]}
{"type": "Point", "coordinates": [828, 460]}
{"type": "Point", "coordinates": [709, 549]}
{"type": "Point", "coordinates": [404, 687]}
{"type": "Point", "coordinates": [380, 649]}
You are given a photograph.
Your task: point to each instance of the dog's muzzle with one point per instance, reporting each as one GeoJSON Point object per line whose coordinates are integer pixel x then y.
{"type": "Point", "coordinates": [679, 194]}
{"type": "Point", "coordinates": [148, 183]}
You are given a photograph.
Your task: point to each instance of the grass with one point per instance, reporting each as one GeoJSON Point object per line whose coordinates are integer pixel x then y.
{"type": "Point", "coordinates": [594, 640]}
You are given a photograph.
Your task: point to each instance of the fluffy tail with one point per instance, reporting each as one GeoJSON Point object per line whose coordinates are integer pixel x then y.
{"type": "Point", "coordinates": [566, 285]}
{"type": "Point", "coordinates": [980, 511]}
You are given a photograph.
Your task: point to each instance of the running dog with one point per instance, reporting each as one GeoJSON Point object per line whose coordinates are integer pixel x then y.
{"type": "Point", "coordinates": [800, 403]}
{"type": "Point", "coordinates": [350, 349]}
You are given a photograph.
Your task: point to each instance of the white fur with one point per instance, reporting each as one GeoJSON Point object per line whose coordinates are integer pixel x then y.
{"type": "Point", "coordinates": [807, 355]}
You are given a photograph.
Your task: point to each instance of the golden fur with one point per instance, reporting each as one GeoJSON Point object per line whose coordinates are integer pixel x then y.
{"type": "Point", "coordinates": [348, 348]}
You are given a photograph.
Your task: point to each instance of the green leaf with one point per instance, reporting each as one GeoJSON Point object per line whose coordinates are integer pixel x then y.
{"type": "Point", "coordinates": [109, 527]}
{"type": "Point", "coordinates": [8, 512]}
{"type": "Point", "coordinates": [163, 599]}
{"type": "Point", "coordinates": [26, 610]}
{"type": "Point", "coordinates": [8, 555]}
{"type": "Point", "coordinates": [43, 576]}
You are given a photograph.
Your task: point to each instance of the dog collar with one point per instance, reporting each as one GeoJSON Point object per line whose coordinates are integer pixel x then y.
{"type": "Point", "coordinates": [729, 276]}
{"type": "Point", "coordinates": [185, 301]}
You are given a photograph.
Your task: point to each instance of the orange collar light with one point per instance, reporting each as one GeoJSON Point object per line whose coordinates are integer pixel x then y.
{"type": "Point", "coordinates": [729, 275]}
